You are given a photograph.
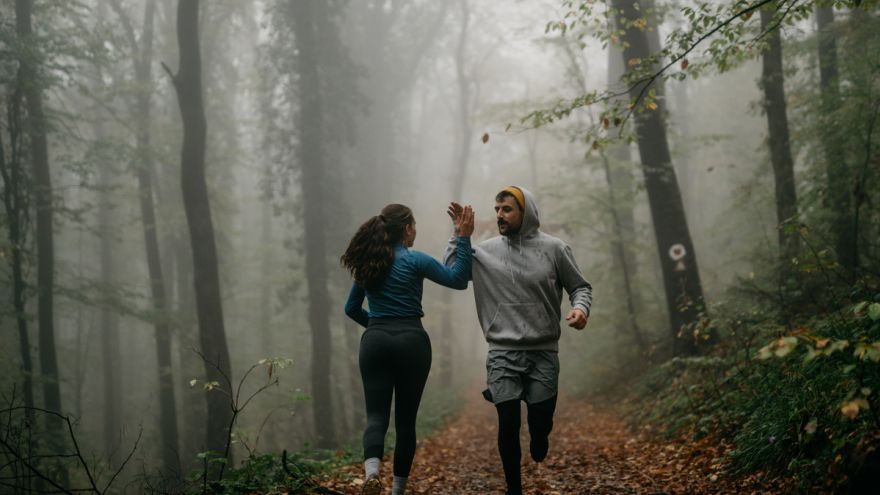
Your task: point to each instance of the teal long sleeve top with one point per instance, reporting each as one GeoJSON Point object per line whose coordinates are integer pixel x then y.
{"type": "Point", "coordinates": [400, 295]}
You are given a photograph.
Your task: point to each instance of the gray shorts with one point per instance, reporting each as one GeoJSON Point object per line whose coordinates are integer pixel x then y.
{"type": "Point", "coordinates": [532, 376]}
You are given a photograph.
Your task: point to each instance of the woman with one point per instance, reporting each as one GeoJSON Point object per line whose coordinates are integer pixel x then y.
{"type": "Point", "coordinates": [395, 352]}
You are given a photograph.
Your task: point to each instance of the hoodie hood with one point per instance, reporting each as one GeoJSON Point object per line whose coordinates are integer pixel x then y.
{"type": "Point", "coordinates": [531, 222]}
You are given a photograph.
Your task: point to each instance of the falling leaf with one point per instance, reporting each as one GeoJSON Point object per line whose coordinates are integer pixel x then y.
{"type": "Point", "coordinates": [606, 122]}
{"type": "Point", "coordinates": [595, 145]}
{"type": "Point", "coordinates": [684, 64]}
{"type": "Point", "coordinates": [652, 105]}
{"type": "Point", "coordinates": [485, 137]}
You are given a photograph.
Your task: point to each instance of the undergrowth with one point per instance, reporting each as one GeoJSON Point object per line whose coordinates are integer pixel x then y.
{"type": "Point", "coordinates": [796, 398]}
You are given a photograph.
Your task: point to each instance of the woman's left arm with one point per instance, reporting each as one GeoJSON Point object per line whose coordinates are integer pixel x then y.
{"type": "Point", "coordinates": [456, 276]}
{"type": "Point", "coordinates": [354, 307]}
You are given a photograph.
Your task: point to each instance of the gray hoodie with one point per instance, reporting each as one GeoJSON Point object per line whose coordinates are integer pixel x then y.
{"type": "Point", "coordinates": [518, 282]}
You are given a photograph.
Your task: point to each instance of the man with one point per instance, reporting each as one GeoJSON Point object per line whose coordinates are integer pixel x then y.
{"type": "Point", "coordinates": [518, 281]}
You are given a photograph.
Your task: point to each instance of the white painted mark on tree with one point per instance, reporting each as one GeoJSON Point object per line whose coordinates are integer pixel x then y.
{"type": "Point", "coordinates": [677, 252]}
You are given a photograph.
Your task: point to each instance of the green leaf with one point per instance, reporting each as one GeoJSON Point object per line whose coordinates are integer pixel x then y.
{"type": "Point", "coordinates": [874, 311]}
{"type": "Point", "coordinates": [857, 309]}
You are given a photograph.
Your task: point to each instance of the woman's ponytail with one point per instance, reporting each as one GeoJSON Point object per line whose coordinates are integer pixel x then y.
{"type": "Point", "coordinates": [370, 252]}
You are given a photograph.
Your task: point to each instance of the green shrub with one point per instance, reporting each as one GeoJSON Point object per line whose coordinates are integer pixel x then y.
{"type": "Point", "coordinates": [805, 405]}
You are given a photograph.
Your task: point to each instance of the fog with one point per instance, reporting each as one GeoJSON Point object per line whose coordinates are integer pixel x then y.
{"type": "Point", "coordinates": [318, 115]}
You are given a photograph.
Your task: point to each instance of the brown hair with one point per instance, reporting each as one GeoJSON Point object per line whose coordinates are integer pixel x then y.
{"type": "Point", "coordinates": [370, 252]}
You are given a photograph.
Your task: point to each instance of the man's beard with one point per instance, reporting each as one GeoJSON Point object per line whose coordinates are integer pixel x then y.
{"type": "Point", "coordinates": [510, 230]}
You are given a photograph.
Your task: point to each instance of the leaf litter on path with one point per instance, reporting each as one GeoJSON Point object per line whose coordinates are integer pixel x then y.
{"type": "Point", "coordinates": [592, 452]}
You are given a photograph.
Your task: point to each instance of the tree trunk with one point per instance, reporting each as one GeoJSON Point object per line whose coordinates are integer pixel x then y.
{"type": "Point", "coordinates": [15, 203]}
{"type": "Point", "coordinates": [167, 406]}
{"type": "Point", "coordinates": [193, 407]}
{"type": "Point", "coordinates": [462, 156]}
{"type": "Point", "coordinates": [772, 83]}
{"type": "Point", "coordinates": [681, 278]}
{"type": "Point", "coordinates": [209, 309]}
{"type": "Point", "coordinates": [306, 14]}
{"type": "Point", "coordinates": [109, 323]}
{"type": "Point", "coordinates": [836, 168]}
{"type": "Point", "coordinates": [267, 265]}
{"type": "Point", "coordinates": [619, 184]}
{"type": "Point", "coordinates": [42, 194]}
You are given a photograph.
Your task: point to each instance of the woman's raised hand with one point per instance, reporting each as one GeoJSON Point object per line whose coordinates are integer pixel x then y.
{"type": "Point", "coordinates": [454, 211]}
{"type": "Point", "coordinates": [465, 226]}
{"type": "Point", "coordinates": [462, 218]}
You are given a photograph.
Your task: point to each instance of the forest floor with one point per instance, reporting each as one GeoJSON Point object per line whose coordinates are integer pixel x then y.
{"type": "Point", "coordinates": [591, 452]}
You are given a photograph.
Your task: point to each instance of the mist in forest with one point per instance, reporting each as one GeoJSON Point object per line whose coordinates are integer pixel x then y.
{"type": "Point", "coordinates": [176, 202]}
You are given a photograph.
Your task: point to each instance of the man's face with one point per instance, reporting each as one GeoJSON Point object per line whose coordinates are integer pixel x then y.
{"type": "Point", "coordinates": [508, 215]}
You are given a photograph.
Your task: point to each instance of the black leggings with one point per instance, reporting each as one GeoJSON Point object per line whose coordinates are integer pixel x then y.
{"type": "Point", "coordinates": [540, 419]}
{"type": "Point", "coordinates": [395, 358]}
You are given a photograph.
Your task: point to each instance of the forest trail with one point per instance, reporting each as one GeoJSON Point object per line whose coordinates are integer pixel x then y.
{"type": "Point", "coordinates": [591, 452]}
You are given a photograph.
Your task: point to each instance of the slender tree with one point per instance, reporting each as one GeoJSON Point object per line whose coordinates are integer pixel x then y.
{"type": "Point", "coordinates": [308, 17]}
{"type": "Point", "coordinates": [463, 142]}
{"type": "Point", "coordinates": [142, 60]}
{"type": "Point", "coordinates": [16, 204]}
{"type": "Point", "coordinates": [772, 83]}
{"type": "Point", "coordinates": [620, 186]}
{"type": "Point", "coordinates": [678, 261]}
{"type": "Point", "coordinates": [37, 129]}
{"type": "Point", "coordinates": [209, 309]}
{"type": "Point", "coordinates": [836, 167]}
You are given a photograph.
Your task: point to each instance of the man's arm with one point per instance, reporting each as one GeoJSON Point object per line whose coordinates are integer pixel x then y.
{"type": "Point", "coordinates": [579, 290]}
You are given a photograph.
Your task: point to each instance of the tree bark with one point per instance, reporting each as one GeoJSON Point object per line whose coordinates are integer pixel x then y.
{"type": "Point", "coordinates": [142, 58]}
{"type": "Point", "coordinates": [772, 82]}
{"type": "Point", "coordinates": [464, 142]}
{"type": "Point", "coordinates": [619, 182]}
{"type": "Point", "coordinates": [681, 278]}
{"type": "Point", "coordinates": [16, 205]}
{"type": "Point", "coordinates": [193, 407]}
{"type": "Point", "coordinates": [167, 403]}
{"type": "Point", "coordinates": [42, 194]}
{"type": "Point", "coordinates": [836, 168]}
{"type": "Point", "coordinates": [306, 15]}
{"type": "Point", "coordinates": [109, 323]}
{"type": "Point", "coordinates": [209, 309]}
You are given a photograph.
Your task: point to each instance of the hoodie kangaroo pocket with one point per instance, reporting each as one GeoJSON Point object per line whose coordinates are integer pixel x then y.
{"type": "Point", "coordinates": [523, 323]}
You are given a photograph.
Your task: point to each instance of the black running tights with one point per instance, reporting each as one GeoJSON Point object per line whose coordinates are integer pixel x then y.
{"type": "Point", "coordinates": [540, 419]}
{"type": "Point", "coordinates": [395, 358]}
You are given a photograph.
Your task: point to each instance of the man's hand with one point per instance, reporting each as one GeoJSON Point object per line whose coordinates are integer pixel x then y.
{"type": "Point", "coordinates": [576, 319]}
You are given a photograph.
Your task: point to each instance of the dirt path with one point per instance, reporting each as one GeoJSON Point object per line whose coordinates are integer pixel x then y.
{"type": "Point", "coordinates": [591, 452]}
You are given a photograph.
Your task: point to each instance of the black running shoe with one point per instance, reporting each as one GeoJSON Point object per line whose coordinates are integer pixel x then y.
{"type": "Point", "coordinates": [539, 447]}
